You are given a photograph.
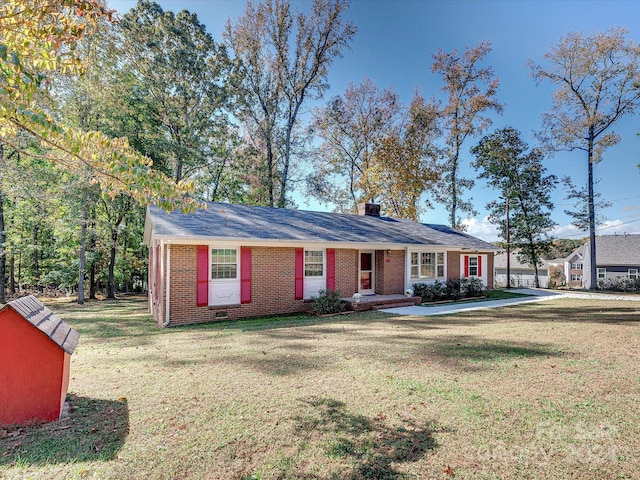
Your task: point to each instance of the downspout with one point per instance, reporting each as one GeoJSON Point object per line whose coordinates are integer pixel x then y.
{"type": "Point", "coordinates": [150, 273]}
{"type": "Point", "coordinates": [160, 266]}
{"type": "Point", "coordinates": [168, 288]}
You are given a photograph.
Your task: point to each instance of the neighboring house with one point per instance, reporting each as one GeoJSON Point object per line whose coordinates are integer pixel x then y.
{"type": "Point", "coordinates": [574, 268]}
{"type": "Point", "coordinates": [236, 261]}
{"type": "Point", "coordinates": [617, 256]}
{"type": "Point", "coordinates": [522, 274]}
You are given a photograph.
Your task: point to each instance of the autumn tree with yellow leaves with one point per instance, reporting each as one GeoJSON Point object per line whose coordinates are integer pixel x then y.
{"type": "Point", "coordinates": [38, 38]}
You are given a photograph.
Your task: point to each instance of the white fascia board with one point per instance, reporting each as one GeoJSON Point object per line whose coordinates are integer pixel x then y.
{"type": "Point", "coordinates": [256, 242]}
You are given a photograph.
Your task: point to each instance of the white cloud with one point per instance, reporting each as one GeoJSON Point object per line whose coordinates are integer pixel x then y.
{"type": "Point", "coordinates": [567, 231]}
{"type": "Point", "coordinates": [618, 226]}
{"type": "Point", "coordinates": [481, 228]}
{"type": "Point", "coordinates": [610, 227]}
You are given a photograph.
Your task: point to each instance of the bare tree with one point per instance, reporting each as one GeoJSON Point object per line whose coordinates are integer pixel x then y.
{"type": "Point", "coordinates": [349, 126]}
{"type": "Point", "coordinates": [285, 60]}
{"type": "Point", "coordinates": [472, 92]}
{"type": "Point", "coordinates": [598, 80]}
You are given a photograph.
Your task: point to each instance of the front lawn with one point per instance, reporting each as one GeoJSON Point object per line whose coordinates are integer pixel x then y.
{"type": "Point", "coordinates": [542, 390]}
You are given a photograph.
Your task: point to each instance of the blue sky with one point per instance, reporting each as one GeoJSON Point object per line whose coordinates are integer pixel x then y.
{"type": "Point", "coordinates": [393, 47]}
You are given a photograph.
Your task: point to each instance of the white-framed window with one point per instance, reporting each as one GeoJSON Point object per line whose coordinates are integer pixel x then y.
{"type": "Point", "coordinates": [576, 277]}
{"type": "Point", "coordinates": [473, 266]}
{"type": "Point", "coordinates": [313, 263]}
{"type": "Point", "coordinates": [224, 275]}
{"type": "Point", "coordinates": [427, 265]}
{"type": "Point", "coordinates": [315, 278]}
{"type": "Point", "coordinates": [224, 263]}
{"type": "Point", "coordinates": [602, 273]}
{"type": "Point", "coordinates": [633, 273]}
{"type": "Point", "coordinates": [576, 266]}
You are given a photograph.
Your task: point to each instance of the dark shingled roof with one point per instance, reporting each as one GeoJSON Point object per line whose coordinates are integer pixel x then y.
{"type": "Point", "coordinates": [618, 250]}
{"type": "Point", "coordinates": [46, 321]}
{"type": "Point", "coordinates": [237, 222]}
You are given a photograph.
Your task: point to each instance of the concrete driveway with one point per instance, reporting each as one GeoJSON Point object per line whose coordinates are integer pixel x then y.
{"type": "Point", "coordinates": [536, 295]}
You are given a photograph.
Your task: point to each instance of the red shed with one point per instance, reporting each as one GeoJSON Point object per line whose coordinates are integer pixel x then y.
{"type": "Point", "coordinates": [35, 349]}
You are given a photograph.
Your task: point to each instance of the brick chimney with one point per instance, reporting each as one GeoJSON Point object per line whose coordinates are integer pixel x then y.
{"type": "Point", "coordinates": [370, 209]}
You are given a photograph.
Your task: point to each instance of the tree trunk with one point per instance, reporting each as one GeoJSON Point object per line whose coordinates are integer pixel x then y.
{"type": "Point", "coordinates": [282, 201]}
{"type": "Point", "coordinates": [36, 260]}
{"type": "Point", "coordinates": [454, 193]}
{"type": "Point", "coordinates": [3, 239]}
{"type": "Point", "coordinates": [20, 271]}
{"type": "Point", "coordinates": [83, 242]}
{"type": "Point", "coordinates": [111, 291]}
{"type": "Point", "coordinates": [508, 235]}
{"type": "Point", "coordinates": [593, 274]}
{"type": "Point", "coordinates": [3, 252]}
{"type": "Point", "coordinates": [92, 248]}
{"type": "Point", "coordinates": [12, 276]}
{"type": "Point", "coordinates": [270, 172]}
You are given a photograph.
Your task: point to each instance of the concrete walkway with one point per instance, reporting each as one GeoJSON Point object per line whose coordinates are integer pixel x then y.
{"type": "Point", "coordinates": [536, 295]}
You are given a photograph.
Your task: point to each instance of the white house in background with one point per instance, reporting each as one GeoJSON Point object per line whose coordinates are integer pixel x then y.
{"type": "Point", "coordinates": [617, 256]}
{"type": "Point", "coordinates": [522, 274]}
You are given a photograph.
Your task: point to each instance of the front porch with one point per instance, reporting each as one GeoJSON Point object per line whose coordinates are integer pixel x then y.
{"type": "Point", "coordinates": [377, 302]}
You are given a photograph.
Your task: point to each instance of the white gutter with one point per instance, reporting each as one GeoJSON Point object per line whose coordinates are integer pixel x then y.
{"type": "Point", "coordinates": [168, 288]}
{"type": "Point", "coordinates": [254, 242]}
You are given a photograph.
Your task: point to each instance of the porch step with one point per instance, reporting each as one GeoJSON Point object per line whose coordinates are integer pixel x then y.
{"type": "Point", "coordinates": [393, 305]}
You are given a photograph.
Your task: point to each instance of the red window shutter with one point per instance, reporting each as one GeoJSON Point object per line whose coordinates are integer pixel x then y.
{"type": "Point", "coordinates": [245, 275]}
{"type": "Point", "coordinates": [466, 266]}
{"type": "Point", "coordinates": [479, 265]}
{"type": "Point", "coordinates": [331, 269]}
{"type": "Point", "coordinates": [299, 291]}
{"type": "Point", "coordinates": [202, 296]}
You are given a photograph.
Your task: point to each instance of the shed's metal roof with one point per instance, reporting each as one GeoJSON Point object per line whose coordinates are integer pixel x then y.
{"type": "Point", "coordinates": [46, 321]}
{"type": "Point", "coordinates": [243, 222]}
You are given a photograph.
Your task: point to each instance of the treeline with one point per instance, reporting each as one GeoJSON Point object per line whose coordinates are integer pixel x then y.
{"type": "Point", "coordinates": [98, 118]}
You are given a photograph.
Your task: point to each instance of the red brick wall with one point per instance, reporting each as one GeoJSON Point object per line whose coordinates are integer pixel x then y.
{"type": "Point", "coordinates": [347, 272]}
{"type": "Point", "coordinates": [453, 266]}
{"type": "Point", "coordinates": [272, 285]}
{"type": "Point", "coordinates": [390, 268]}
{"type": "Point", "coordinates": [490, 270]}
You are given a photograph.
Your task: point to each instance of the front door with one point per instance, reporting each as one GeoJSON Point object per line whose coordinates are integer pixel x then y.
{"type": "Point", "coordinates": [367, 285]}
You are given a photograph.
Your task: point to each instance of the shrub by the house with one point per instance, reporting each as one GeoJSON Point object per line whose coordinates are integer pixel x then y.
{"type": "Point", "coordinates": [452, 289]}
{"type": "Point", "coordinates": [620, 284]}
{"type": "Point", "coordinates": [328, 301]}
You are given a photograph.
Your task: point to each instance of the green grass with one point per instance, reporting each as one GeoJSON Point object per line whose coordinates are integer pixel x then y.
{"type": "Point", "coordinates": [490, 295]}
{"type": "Point", "coordinates": [502, 294]}
{"type": "Point", "coordinates": [544, 390]}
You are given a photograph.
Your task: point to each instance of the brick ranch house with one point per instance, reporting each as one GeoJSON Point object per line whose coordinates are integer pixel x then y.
{"type": "Point", "coordinates": [238, 261]}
